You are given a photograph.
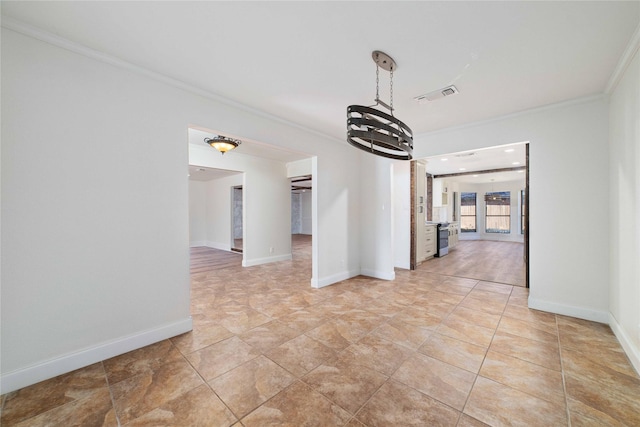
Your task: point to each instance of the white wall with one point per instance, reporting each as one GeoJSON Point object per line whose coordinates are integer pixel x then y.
{"type": "Point", "coordinates": [624, 224]}
{"type": "Point", "coordinates": [336, 220]}
{"type": "Point", "coordinates": [376, 226]}
{"type": "Point", "coordinates": [103, 205]}
{"type": "Point", "coordinates": [402, 214]}
{"type": "Point", "coordinates": [219, 211]}
{"type": "Point", "coordinates": [210, 210]}
{"type": "Point", "coordinates": [299, 168]}
{"type": "Point", "coordinates": [94, 215]}
{"type": "Point", "coordinates": [197, 213]}
{"type": "Point", "coordinates": [569, 268]}
{"type": "Point", "coordinates": [514, 187]}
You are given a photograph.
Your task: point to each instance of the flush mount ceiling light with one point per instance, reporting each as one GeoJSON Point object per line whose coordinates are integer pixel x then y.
{"type": "Point", "coordinates": [375, 131]}
{"type": "Point", "coordinates": [223, 143]}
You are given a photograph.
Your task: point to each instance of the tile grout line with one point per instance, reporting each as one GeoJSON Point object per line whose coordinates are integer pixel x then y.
{"type": "Point", "coordinates": [203, 379]}
{"type": "Point", "coordinates": [113, 400]}
{"type": "Point", "coordinates": [564, 382]}
{"type": "Point", "coordinates": [417, 352]}
{"type": "Point", "coordinates": [485, 353]}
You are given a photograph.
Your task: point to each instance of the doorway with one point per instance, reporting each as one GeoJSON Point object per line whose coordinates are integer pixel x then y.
{"type": "Point", "coordinates": [301, 219]}
{"type": "Point", "coordinates": [236, 219]}
{"type": "Point", "coordinates": [499, 225]}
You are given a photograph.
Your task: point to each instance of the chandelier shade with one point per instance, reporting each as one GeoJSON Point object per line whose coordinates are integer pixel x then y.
{"type": "Point", "coordinates": [375, 131]}
{"type": "Point", "coordinates": [223, 143]}
{"type": "Point", "coordinates": [378, 133]}
{"type": "Point", "coordinates": [498, 198]}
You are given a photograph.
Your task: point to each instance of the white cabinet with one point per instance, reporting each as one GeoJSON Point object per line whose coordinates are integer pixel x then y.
{"type": "Point", "coordinates": [440, 194]}
{"type": "Point", "coordinates": [425, 237]}
{"type": "Point", "coordinates": [430, 241]}
{"type": "Point", "coordinates": [421, 210]}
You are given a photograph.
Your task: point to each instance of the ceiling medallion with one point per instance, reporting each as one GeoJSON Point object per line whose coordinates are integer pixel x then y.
{"type": "Point", "coordinates": [375, 131]}
{"type": "Point", "coordinates": [223, 143]}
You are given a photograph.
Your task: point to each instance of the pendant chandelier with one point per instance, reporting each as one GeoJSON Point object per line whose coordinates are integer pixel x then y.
{"type": "Point", "coordinates": [375, 131]}
{"type": "Point", "coordinates": [223, 143]}
{"type": "Point", "coordinates": [497, 197]}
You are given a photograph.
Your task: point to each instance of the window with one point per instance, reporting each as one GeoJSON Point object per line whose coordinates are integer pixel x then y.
{"type": "Point", "coordinates": [468, 212]}
{"type": "Point", "coordinates": [498, 212]}
{"type": "Point", "coordinates": [522, 206]}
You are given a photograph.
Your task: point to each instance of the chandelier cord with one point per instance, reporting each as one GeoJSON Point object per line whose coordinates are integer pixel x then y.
{"type": "Point", "coordinates": [377, 83]}
{"type": "Point", "coordinates": [391, 90]}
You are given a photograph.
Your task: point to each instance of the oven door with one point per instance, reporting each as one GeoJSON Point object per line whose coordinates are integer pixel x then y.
{"type": "Point", "coordinates": [443, 241]}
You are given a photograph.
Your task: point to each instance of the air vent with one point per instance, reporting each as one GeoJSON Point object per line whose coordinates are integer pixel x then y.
{"type": "Point", "coordinates": [448, 91]}
{"type": "Point", "coordinates": [465, 154]}
{"type": "Point", "coordinates": [437, 94]}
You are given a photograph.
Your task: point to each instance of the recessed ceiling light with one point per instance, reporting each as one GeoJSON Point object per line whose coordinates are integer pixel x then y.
{"type": "Point", "coordinates": [444, 159]}
{"type": "Point", "coordinates": [475, 176]}
{"type": "Point", "coordinates": [515, 163]}
{"type": "Point", "coordinates": [463, 169]}
{"type": "Point", "coordinates": [509, 150]}
{"type": "Point", "coordinates": [520, 171]}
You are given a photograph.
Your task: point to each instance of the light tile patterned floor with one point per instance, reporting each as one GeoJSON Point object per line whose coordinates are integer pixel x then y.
{"type": "Point", "coordinates": [425, 349]}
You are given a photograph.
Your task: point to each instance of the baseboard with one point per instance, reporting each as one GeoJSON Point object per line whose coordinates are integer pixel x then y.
{"type": "Point", "coordinates": [217, 245]}
{"type": "Point", "coordinates": [403, 265]}
{"type": "Point", "coordinates": [377, 274]}
{"type": "Point", "coordinates": [258, 261]}
{"type": "Point", "coordinates": [569, 310]}
{"type": "Point", "coordinates": [61, 365]}
{"type": "Point", "coordinates": [632, 351]}
{"type": "Point", "coordinates": [334, 278]}
{"type": "Point", "coordinates": [210, 244]}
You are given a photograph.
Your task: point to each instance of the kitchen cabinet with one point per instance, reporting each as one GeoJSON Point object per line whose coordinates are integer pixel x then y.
{"type": "Point", "coordinates": [421, 211]}
{"type": "Point", "coordinates": [440, 194]}
{"type": "Point", "coordinates": [426, 244]}
{"type": "Point", "coordinates": [424, 235]}
{"type": "Point", "coordinates": [430, 241]}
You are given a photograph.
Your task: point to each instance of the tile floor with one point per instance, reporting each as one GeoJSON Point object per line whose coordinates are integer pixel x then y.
{"type": "Point", "coordinates": [425, 349]}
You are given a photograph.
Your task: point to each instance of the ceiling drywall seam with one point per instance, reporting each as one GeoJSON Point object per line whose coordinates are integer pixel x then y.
{"type": "Point", "coordinates": [625, 60]}
{"type": "Point", "coordinates": [61, 42]}
{"type": "Point", "coordinates": [562, 104]}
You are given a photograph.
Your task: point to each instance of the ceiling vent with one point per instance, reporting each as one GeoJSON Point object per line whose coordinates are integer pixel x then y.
{"type": "Point", "coordinates": [437, 94]}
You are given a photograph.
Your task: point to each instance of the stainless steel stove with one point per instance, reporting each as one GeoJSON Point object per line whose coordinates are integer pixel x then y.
{"type": "Point", "coordinates": [443, 239]}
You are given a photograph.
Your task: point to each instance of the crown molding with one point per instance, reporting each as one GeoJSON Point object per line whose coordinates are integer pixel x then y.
{"type": "Point", "coordinates": [625, 60]}
{"type": "Point", "coordinates": [535, 110]}
{"type": "Point", "coordinates": [61, 42]}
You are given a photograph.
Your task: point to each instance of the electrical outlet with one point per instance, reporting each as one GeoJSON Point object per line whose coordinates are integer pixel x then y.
{"type": "Point", "coordinates": [271, 250]}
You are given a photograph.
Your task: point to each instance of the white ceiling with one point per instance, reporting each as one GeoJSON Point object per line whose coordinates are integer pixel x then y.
{"type": "Point", "coordinates": [198, 173]}
{"type": "Point", "coordinates": [504, 156]}
{"type": "Point", "coordinates": [305, 62]}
